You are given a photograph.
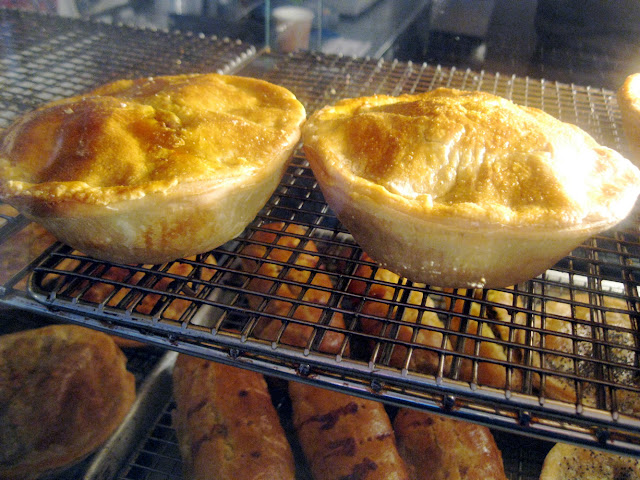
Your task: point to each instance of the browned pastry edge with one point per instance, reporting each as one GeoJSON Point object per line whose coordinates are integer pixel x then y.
{"type": "Point", "coordinates": [439, 448]}
{"type": "Point", "coordinates": [64, 390]}
{"type": "Point", "coordinates": [226, 424]}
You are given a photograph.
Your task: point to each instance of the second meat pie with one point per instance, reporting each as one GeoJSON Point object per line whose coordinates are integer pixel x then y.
{"type": "Point", "coordinates": [455, 189]}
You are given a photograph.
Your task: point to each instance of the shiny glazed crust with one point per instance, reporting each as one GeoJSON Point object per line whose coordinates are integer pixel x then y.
{"type": "Point", "coordinates": [629, 104]}
{"type": "Point", "coordinates": [439, 448]}
{"type": "Point", "coordinates": [153, 169]}
{"type": "Point", "coordinates": [454, 188]}
{"type": "Point", "coordinates": [569, 462]}
{"type": "Point", "coordinates": [64, 390]}
{"type": "Point", "coordinates": [226, 424]}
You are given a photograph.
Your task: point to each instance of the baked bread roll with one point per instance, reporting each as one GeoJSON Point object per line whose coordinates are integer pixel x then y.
{"type": "Point", "coordinates": [266, 263]}
{"type": "Point", "coordinates": [226, 424]}
{"type": "Point", "coordinates": [377, 319]}
{"type": "Point", "coordinates": [343, 436]}
{"type": "Point", "coordinates": [63, 389]}
{"type": "Point", "coordinates": [489, 346]}
{"type": "Point", "coordinates": [567, 331]}
{"type": "Point", "coordinates": [629, 103]}
{"type": "Point", "coordinates": [439, 448]}
{"type": "Point", "coordinates": [455, 189]}
{"type": "Point", "coordinates": [569, 462]}
{"type": "Point", "coordinates": [152, 169]}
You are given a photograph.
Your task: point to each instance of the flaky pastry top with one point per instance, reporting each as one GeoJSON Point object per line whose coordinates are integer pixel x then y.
{"type": "Point", "coordinates": [472, 156]}
{"type": "Point", "coordinates": [133, 137]}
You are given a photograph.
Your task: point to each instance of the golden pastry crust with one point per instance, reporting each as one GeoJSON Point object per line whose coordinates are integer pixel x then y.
{"type": "Point", "coordinates": [226, 424]}
{"type": "Point", "coordinates": [629, 103]}
{"type": "Point", "coordinates": [569, 462]}
{"type": "Point", "coordinates": [152, 169]}
{"type": "Point", "coordinates": [439, 448]}
{"type": "Point", "coordinates": [454, 188]}
{"type": "Point", "coordinates": [64, 390]}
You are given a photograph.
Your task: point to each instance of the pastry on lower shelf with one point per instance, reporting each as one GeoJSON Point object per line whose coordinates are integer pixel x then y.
{"type": "Point", "coordinates": [343, 436]}
{"type": "Point", "coordinates": [570, 462]}
{"type": "Point", "coordinates": [376, 318]}
{"type": "Point", "coordinates": [115, 286]}
{"type": "Point", "coordinates": [296, 284]}
{"type": "Point", "coordinates": [484, 342]}
{"type": "Point", "coordinates": [64, 389]}
{"type": "Point", "coordinates": [454, 188]}
{"type": "Point", "coordinates": [582, 328]}
{"type": "Point", "coordinates": [152, 169]}
{"type": "Point", "coordinates": [226, 424]}
{"type": "Point", "coordinates": [439, 448]}
{"type": "Point", "coordinates": [565, 335]}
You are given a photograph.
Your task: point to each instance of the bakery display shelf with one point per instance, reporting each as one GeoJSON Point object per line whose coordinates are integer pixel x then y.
{"type": "Point", "coordinates": [196, 307]}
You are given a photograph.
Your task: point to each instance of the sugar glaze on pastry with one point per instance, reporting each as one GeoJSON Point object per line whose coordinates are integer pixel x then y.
{"type": "Point", "coordinates": [120, 172]}
{"type": "Point", "coordinates": [457, 188]}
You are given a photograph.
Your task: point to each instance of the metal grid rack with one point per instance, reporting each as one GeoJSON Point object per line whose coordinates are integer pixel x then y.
{"type": "Point", "coordinates": [44, 58]}
{"type": "Point", "coordinates": [206, 305]}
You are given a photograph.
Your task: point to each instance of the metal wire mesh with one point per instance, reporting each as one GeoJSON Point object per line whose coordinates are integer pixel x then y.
{"type": "Point", "coordinates": [43, 58]}
{"type": "Point", "coordinates": [555, 357]}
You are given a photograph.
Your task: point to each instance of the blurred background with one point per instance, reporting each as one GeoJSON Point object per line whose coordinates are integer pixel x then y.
{"type": "Point", "coordinates": [592, 42]}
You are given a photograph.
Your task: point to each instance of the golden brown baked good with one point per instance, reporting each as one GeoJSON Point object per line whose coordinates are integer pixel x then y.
{"type": "Point", "coordinates": [226, 424]}
{"type": "Point", "coordinates": [490, 346]}
{"type": "Point", "coordinates": [575, 321]}
{"type": "Point", "coordinates": [562, 340]}
{"type": "Point", "coordinates": [439, 448]}
{"type": "Point", "coordinates": [455, 189]}
{"type": "Point", "coordinates": [569, 462]}
{"type": "Point", "coordinates": [376, 314]}
{"type": "Point", "coordinates": [629, 103]}
{"type": "Point", "coordinates": [340, 435]}
{"type": "Point", "coordinates": [343, 436]}
{"type": "Point", "coordinates": [267, 262]}
{"type": "Point", "coordinates": [63, 389]}
{"type": "Point", "coordinates": [152, 169]}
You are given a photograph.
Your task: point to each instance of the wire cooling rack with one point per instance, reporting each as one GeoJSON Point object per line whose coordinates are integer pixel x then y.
{"type": "Point", "coordinates": [554, 358]}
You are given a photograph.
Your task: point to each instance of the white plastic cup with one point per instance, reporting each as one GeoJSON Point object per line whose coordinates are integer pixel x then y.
{"type": "Point", "coordinates": [292, 28]}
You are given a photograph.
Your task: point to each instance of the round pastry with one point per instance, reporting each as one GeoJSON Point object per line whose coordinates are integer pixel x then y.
{"type": "Point", "coordinates": [153, 169]}
{"type": "Point", "coordinates": [629, 104]}
{"type": "Point", "coordinates": [569, 462]}
{"type": "Point", "coordinates": [63, 389]}
{"type": "Point", "coordinates": [464, 189]}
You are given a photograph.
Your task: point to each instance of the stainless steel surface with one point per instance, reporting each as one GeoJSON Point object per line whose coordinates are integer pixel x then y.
{"type": "Point", "coordinates": [215, 320]}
